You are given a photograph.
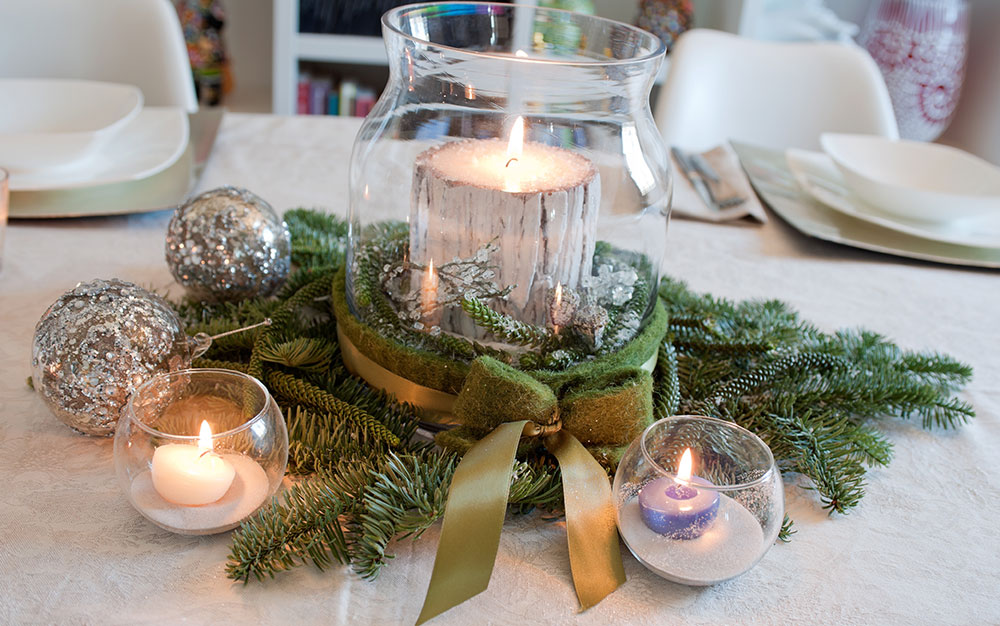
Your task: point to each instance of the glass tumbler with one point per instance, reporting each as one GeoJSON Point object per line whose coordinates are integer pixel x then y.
{"type": "Point", "coordinates": [200, 450]}
{"type": "Point", "coordinates": [699, 500]}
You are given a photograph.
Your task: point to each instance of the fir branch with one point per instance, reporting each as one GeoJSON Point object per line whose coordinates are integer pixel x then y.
{"type": "Point", "coordinates": [407, 495]}
{"type": "Point", "coordinates": [728, 348]}
{"type": "Point", "coordinates": [504, 327]}
{"type": "Point", "coordinates": [299, 391]}
{"type": "Point", "coordinates": [667, 388]}
{"type": "Point", "coordinates": [222, 365]}
{"type": "Point", "coordinates": [302, 353]}
{"type": "Point", "coordinates": [318, 239]}
{"type": "Point", "coordinates": [769, 372]}
{"type": "Point", "coordinates": [302, 528]}
{"type": "Point", "coordinates": [318, 440]}
{"type": "Point", "coordinates": [786, 532]}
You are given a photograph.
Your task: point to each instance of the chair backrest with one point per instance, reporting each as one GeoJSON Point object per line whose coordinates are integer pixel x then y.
{"type": "Point", "coordinates": [138, 42]}
{"type": "Point", "coordinates": [779, 95]}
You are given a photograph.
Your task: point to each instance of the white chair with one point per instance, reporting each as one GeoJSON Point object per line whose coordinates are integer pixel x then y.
{"type": "Point", "coordinates": [779, 95]}
{"type": "Point", "coordinates": [138, 42]}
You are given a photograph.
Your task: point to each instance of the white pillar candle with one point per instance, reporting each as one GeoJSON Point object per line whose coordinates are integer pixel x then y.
{"type": "Point", "coordinates": [191, 475]}
{"type": "Point", "coordinates": [538, 203]}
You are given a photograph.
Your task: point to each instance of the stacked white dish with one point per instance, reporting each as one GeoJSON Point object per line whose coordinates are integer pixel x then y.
{"type": "Point", "coordinates": [926, 191]}
{"type": "Point", "coordinates": [60, 135]}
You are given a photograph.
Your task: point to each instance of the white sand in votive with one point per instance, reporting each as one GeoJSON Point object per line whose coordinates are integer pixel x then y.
{"type": "Point", "coordinates": [731, 546]}
{"type": "Point", "coordinates": [248, 491]}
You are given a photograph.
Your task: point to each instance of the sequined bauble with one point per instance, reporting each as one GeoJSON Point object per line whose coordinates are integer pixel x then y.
{"type": "Point", "coordinates": [96, 343]}
{"type": "Point", "coordinates": [228, 244]}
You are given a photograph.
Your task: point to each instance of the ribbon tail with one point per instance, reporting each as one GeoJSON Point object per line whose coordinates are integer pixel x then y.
{"type": "Point", "coordinates": [473, 520]}
{"type": "Point", "coordinates": [594, 554]}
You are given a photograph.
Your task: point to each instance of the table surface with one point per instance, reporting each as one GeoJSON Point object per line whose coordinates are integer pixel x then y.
{"type": "Point", "coordinates": [921, 548]}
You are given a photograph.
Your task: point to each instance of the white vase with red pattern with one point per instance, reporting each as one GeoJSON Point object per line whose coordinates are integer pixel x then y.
{"type": "Point", "coordinates": [920, 46]}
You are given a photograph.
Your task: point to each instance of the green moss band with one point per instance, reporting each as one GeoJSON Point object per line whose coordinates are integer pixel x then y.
{"type": "Point", "coordinates": [445, 374]}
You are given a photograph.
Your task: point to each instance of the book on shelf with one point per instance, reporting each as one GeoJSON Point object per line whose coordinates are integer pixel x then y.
{"type": "Point", "coordinates": [348, 93]}
{"type": "Point", "coordinates": [302, 101]}
{"type": "Point", "coordinates": [318, 92]}
{"type": "Point", "coordinates": [324, 96]}
{"type": "Point", "coordinates": [364, 102]}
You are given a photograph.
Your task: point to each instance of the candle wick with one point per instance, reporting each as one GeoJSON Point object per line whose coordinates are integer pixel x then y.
{"type": "Point", "coordinates": [204, 453]}
{"type": "Point", "coordinates": [510, 160]}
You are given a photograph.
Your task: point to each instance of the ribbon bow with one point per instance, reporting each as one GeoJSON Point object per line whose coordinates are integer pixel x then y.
{"type": "Point", "coordinates": [499, 406]}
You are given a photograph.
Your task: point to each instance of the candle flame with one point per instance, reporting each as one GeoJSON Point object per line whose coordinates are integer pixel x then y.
{"type": "Point", "coordinates": [520, 53]}
{"type": "Point", "coordinates": [428, 292]}
{"type": "Point", "coordinates": [205, 437]}
{"type": "Point", "coordinates": [558, 294]}
{"type": "Point", "coordinates": [515, 146]}
{"type": "Point", "coordinates": [684, 467]}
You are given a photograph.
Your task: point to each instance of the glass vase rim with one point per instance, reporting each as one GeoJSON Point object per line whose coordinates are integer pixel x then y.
{"type": "Point", "coordinates": [659, 49]}
{"type": "Point", "coordinates": [199, 370]}
{"type": "Point", "coordinates": [719, 422]}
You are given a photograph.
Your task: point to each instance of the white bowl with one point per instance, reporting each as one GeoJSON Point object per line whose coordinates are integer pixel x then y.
{"type": "Point", "coordinates": [914, 180]}
{"type": "Point", "coordinates": [47, 123]}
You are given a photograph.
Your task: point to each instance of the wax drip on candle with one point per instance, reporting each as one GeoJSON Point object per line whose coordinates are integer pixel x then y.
{"type": "Point", "coordinates": [515, 146]}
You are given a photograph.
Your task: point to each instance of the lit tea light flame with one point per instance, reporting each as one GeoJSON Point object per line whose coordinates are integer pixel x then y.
{"type": "Point", "coordinates": [684, 467]}
{"type": "Point", "coordinates": [205, 438]}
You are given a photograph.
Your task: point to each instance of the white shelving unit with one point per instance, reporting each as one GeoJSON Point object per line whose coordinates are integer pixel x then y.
{"type": "Point", "coordinates": [292, 47]}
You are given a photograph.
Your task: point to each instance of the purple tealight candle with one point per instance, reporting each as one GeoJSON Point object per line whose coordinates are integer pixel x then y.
{"type": "Point", "coordinates": [676, 510]}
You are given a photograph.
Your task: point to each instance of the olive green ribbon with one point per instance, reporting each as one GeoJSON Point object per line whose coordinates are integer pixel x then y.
{"type": "Point", "coordinates": [502, 406]}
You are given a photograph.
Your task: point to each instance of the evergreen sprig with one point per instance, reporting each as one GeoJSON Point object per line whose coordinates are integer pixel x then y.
{"type": "Point", "coordinates": [816, 399]}
{"type": "Point", "coordinates": [505, 327]}
{"type": "Point", "coordinates": [303, 527]}
{"type": "Point", "coordinates": [299, 391]}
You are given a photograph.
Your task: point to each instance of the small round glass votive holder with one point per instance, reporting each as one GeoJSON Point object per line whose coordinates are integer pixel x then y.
{"type": "Point", "coordinates": [200, 450]}
{"type": "Point", "coordinates": [703, 519]}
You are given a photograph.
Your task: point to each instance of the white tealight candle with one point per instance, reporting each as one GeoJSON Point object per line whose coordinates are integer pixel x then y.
{"type": "Point", "coordinates": [191, 475]}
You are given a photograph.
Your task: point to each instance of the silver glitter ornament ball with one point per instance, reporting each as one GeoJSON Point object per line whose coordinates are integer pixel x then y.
{"type": "Point", "coordinates": [96, 343]}
{"type": "Point", "coordinates": [228, 244]}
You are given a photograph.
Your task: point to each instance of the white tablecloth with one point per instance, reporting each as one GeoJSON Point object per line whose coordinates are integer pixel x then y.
{"type": "Point", "coordinates": [923, 546]}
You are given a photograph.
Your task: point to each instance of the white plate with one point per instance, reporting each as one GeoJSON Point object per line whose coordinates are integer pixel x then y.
{"type": "Point", "coordinates": [48, 123]}
{"type": "Point", "coordinates": [818, 175]}
{"type": "Point", "coordinates": [916, 180]}
{"type": "Point", "coordinates": [150, 143]}
{"type": "Point", "coordinates": [774, 183]}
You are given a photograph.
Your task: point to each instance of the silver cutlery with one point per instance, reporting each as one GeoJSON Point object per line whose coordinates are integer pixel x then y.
{"type": "Point", "coordinates": [702, 176]}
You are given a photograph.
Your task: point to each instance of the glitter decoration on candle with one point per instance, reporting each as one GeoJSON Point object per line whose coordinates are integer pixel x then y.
{"type": "Point", "coordinates": [675, 506]}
